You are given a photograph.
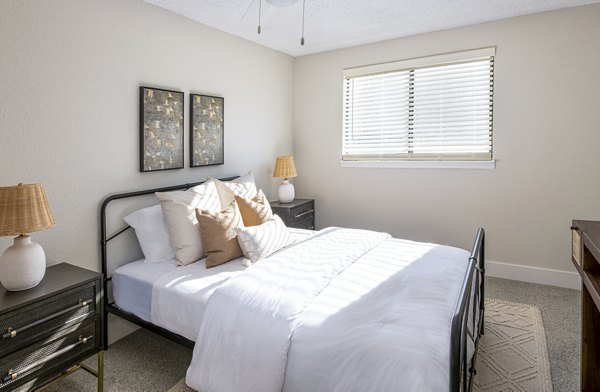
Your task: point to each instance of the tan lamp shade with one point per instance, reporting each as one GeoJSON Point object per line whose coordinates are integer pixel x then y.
{"type": "Point", "coordinates": [284, 167]}
{"type": "Point", "coordinates": [24, 209]}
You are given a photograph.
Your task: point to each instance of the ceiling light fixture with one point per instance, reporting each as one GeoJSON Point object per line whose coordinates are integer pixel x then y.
{"type": "Point", "coordinates": [282, 3]}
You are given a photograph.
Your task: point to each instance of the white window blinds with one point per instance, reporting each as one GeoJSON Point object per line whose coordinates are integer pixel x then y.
{"type": "Point", "coordinates": [431, 108]}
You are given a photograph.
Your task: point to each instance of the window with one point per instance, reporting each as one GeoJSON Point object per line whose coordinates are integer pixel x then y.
{"type": "Point", "coordinates": [437, 108]}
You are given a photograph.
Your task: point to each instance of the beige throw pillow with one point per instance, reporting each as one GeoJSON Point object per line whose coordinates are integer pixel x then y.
{"type": "Point", "coordinates": [258, 242]}
{"type": "Point", "coordinates": [179, 210]}
{"type": "Point", "coordinates": [218, 234]}
{"type": "Point", "coordinates": [255, 211]}
{"type": "Point", "coordinates": [243, 186]}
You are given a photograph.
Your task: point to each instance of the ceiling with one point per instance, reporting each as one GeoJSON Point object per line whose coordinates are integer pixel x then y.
{"type": "Point", "coordinates": [334, 24]}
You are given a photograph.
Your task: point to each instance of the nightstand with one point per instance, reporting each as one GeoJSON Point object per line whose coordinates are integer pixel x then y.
{"type": "Point", "coordinates": [48, 330]}
{"type": "Point", "coordinates": [300, 213]}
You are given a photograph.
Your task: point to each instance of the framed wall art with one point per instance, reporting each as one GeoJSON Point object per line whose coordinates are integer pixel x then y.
{"type": "Point", "coordinates": [206, 130]}
{"type": "Point", "coordinates": [161, 129]}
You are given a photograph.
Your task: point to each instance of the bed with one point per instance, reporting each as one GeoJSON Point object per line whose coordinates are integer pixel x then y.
{"type": "Point", "coordinates": [358, 311]}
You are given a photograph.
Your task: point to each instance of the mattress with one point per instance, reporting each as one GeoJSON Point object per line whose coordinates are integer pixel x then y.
{"type": "Point", "coordinates": [132, 286]}
{"type": "Point", "coordinates": [187, 288]}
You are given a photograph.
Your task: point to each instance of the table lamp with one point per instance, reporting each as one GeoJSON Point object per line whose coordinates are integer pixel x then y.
{"type": "Point", "coordinates": [23, 209]}
{"type": "Point", "coordinates": [285, 168]}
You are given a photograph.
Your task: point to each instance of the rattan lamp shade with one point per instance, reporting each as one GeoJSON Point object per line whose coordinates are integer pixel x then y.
{"type": "Point", "coordinates": [24, 209]}
{"type": "Point", "coordinates": [284, 167]}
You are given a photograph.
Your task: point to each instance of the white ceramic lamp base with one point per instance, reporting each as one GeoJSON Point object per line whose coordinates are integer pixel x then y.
{"type": "Point", "coordinates": [22, 265]}
{"type": "Point", "coordinates": [286, 192]}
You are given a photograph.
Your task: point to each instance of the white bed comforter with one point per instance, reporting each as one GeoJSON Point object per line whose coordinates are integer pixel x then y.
{"type": "Point", "coordinates": [347, 310]}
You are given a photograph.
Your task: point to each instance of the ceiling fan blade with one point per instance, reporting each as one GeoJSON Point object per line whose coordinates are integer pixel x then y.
{"type": "Point", "coordinates": [248, 9]}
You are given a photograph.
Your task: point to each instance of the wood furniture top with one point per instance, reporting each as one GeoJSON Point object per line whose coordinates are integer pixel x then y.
{"type": "Point", "coordinates": [293, 204]}
{"type": "Point", "coordinates": [58, 278]}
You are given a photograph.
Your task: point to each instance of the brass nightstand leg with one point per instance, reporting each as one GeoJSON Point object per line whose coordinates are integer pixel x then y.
{"type": "Point", "coordinates": [99, 374]}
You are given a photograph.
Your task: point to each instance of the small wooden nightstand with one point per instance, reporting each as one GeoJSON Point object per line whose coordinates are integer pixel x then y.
{"type": "Point", "coordinates": [299, 214]}
{"type": "Point", "coordinates": [48, 330]}
{"type": "Point", "coordinates": [586, 258]}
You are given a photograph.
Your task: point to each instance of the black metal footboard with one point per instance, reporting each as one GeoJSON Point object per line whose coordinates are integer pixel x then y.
{"type": "Point", "coordinates": [469, 309]}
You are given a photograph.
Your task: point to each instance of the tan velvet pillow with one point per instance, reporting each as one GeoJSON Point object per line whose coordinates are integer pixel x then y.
{"type": "Point", "coordinates": [255, 211]}
{"type": "Point", "coordinates": [218, 234]}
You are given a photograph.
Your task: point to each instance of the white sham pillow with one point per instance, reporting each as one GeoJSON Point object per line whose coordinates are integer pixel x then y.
{"type": "Point", "coordinates": [258, 242]}
{"type": "Point", "coordinates": [243, 186]}
{"type": "Point", "coordinates": [151, 232]}
{"type": "Point", "coordinates": [179, 210]}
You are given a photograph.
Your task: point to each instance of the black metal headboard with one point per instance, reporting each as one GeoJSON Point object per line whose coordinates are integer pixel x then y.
{"type": "Point", "coordinates": [106, 238]}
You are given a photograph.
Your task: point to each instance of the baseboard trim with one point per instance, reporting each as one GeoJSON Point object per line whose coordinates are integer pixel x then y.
{"type": "Point", "coordinates": [524, 273]}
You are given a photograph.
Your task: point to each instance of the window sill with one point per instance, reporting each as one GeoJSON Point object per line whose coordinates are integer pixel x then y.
{"type": "Point", "coordinates": [421, 164]}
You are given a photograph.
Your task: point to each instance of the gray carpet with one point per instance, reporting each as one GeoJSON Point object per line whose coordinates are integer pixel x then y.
{"type": "Point", "coordinates": [143, 361]}
{"type": "Point", "coordinates": [140, 362]}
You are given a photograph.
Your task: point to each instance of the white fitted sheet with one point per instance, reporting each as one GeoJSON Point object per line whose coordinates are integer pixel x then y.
{"type": "Point", "coordinates": [185, 288]}
{"type": "Point", "coordinates": [132, 285]}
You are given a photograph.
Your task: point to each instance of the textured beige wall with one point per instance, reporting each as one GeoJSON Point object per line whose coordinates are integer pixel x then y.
{"type": "Point", "coordinates": [69, 77]}
{"type": "Point", "coordinates": [546, 142]}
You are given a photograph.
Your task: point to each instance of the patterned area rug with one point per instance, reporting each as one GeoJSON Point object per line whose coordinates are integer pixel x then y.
{"type": "Point", "coordinates": [512, 356]}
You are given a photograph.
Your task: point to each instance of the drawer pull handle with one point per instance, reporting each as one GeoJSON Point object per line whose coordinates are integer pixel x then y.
{"type": "Point", "coordinates": [84, 303]}
{"type": "Point", "coordinates": [303, 213]}
{"type": "Point", "coordinates": [11, 375]}
{"type": "Point", "coordinates": [12, 332]}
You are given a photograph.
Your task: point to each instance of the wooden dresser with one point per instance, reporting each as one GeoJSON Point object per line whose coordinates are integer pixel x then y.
{"type": "Point", "coordinates": [46, 331]}
{"type": "Point", "coordinates": [586, 257]}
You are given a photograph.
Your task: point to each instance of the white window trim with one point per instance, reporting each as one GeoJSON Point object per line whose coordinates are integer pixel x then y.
{"type": "Point", "coordinates": [491, 164]}
{"type": "Point", "coordinates": [416, 63]}
{"type": "Point", "coordinates": [420, 62]}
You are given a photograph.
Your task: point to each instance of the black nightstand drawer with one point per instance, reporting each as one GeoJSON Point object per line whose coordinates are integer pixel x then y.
{"type": "Point", "coordinates": [54, 352]}
{"type": "Point", "coordinates": [36, 321]}
{"type": "Point", "coordinates": [308, 224]}
{"type": "Point", "coordinates": [50, 328]}
{"type": "Point", "coordinates": [300, 213]}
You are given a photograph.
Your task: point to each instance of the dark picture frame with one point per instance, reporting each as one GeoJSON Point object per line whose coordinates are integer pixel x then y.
{"type": "Point", "coordinates": [161, 129]}
{"type": "Point", "coordinates": [207, 130]}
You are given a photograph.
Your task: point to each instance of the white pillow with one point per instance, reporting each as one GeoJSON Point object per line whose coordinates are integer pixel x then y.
{"type": "Point", "coordinates": [258, 242]}
{"type": "Point", "coordinates": [151, 232]}
{"type": "Point", "coordinates": [179, 210]}
{"type": "Point", "coordinates": [243, 187]}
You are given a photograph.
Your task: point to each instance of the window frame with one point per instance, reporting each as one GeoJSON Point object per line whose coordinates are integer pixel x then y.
{"type": "Point", "coordinates": [421, 160]}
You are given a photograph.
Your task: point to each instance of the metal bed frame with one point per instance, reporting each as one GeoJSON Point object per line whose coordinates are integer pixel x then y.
{"type": "Point", "coordinates": [462, 369]}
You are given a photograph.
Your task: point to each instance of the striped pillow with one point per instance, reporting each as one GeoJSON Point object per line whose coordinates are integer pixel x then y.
{"type": "Point", "coordinates": [255, 211]}
{"type": "Point", "coordinates": [243, 186]}
{"type": "Point", "coordinates": [258, 242]}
